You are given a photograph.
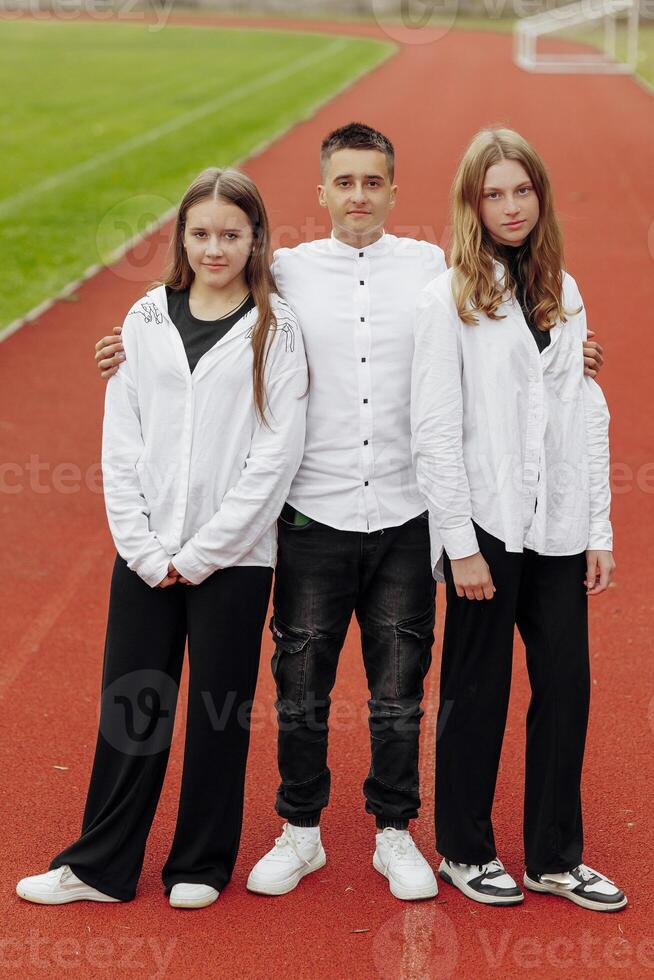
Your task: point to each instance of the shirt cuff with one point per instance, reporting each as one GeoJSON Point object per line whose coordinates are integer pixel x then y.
{"type": "Point", "coordinates": [152, 570]}
{"type": "Point", "coordinates": [459, 542]}
{"type": "Point", "coordinates": [600, 536]}
{"type": "Point", "coordinates": [189, 566]}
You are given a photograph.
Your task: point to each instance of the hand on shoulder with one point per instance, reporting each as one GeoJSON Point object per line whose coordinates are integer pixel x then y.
{"type": "Point", "coordinates": [109, 353]}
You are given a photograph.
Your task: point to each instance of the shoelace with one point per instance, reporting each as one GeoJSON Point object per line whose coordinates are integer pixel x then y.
{"type": "Point", "coordinates": [402, 847]}
{"type": "Point", "coordinates": [587, 873]}
{"type": "Point", "coordinates": [494, 865]}
{"type": "Point", "coordinates": [287, 839]}
{"type": "Point", "coordinates": [60, 874]}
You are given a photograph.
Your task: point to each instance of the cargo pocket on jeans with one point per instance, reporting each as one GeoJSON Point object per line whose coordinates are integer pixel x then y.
{"type": "Point", "coordinates": [414, 639]}
{"type": "Point", "coordinates": [289, 661]}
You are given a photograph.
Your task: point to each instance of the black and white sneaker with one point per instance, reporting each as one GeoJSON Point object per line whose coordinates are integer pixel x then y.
{"type": "Point", "coordinates": [582, 885]}
{"type": "Point", "coordinates": [489, 883]}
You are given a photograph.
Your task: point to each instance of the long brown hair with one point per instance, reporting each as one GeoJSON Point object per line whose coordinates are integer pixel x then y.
{"type": "Point", "coordinates": [238, 189]}
{"type": "Point", "coordinates": [475, 285]}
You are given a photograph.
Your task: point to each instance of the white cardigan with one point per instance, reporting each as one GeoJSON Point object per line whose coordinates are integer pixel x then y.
{"type": "Point", "coordinates": [189, 473]}
{"type": "Point", "coordinates": [506, 435]}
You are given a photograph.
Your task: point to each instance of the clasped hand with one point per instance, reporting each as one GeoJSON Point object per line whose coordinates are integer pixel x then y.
{"type": "Point", "coordinates": [172, 578]}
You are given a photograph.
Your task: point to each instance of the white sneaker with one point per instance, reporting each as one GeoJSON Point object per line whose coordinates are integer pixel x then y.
{"type": "Point", "coordinates": [296, 853]}
{"type": "Point", "coordinates": [490, 883]}
{"type": "Point", "coordinates": [58, 887]}
{"type": "Point", "coordinates": [397, 858]}
{"type": "Point", "coordinates": [582, 885]}
{"type": "Point", "coordinates": [185, 895]}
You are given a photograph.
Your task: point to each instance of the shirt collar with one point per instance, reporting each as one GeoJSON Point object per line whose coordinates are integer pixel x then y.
{"type": "Point", "coordinates": [379, 246]}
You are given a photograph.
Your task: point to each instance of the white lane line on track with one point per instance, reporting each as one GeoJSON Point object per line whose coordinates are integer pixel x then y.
{"type": "Point", "coordinates": [172, 125]}
{"type": "Point", "coordinates": [417, 941]}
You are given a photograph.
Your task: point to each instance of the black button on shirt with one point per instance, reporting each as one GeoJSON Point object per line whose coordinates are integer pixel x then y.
{"type": "Point", "coordinates": [199, 336]}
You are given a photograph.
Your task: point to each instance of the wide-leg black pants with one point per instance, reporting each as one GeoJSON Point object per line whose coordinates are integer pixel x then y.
{"type": "Point", "coordinates": [546, 598]}
{"type": "Point", "coordinates": [147, 630]}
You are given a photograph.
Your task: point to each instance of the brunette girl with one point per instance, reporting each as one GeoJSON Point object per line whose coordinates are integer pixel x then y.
{"type": "Point", "coordinates": [511, 446]}
{"type": "Point", "coordinates": [203, 433]}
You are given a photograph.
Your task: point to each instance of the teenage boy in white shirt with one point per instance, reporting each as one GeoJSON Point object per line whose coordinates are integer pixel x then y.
{"type": "Point", "coordinates": [354, 535]}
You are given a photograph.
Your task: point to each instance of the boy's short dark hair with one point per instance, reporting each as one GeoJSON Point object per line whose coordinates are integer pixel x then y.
{"type": "Point", "coordinates": [357, 136]}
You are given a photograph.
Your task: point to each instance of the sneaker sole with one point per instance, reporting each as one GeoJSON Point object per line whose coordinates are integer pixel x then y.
{"type": "Point", "coordinates": [476, 896]}
{"type": "Point", "coordinates": [584, 903]}
{"type": "Point", "coordinates": [198, 903]}
{"type": "Point", "coordinates": [286, 886]}
{"type": "Point", "coordinates": [61, 900]}
{"type": "Point", "coordinates": [399, 891]}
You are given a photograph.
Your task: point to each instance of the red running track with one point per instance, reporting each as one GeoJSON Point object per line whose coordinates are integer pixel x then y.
{"type": "Point", "coordinates": [598, 138]}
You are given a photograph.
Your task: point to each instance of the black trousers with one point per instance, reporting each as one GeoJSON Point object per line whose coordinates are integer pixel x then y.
{"type": "Point", "coordinates": [324, 576]}
{"type": "Point", "coordinates": [546, 599]}
{"type": "Point", "coordinates": [147, 629]}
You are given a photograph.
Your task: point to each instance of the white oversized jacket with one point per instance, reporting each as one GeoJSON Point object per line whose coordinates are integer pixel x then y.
{"type": "Point", "coordinates": [506, 435]}
{"type": "Point", "coordinates": [189, 472]}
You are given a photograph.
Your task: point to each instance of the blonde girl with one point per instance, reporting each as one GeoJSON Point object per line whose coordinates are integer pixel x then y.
{"type": "Point", "coordinates": [511, 446]}
{"type": "Point", "coordinates": [203, 433]}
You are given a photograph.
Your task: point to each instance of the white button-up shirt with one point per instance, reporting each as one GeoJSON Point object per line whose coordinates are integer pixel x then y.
{"type": "Point", "coordinates": [506, 435]}
{"type": "Point", "coordinates": [356, 310]}
{"type": "Point", "coordinates": [189, 472]}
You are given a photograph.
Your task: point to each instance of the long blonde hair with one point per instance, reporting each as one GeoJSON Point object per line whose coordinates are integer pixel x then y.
{"type": "Point", "coordinates": [238, 189]}
{"type": "Point", "coordinates": [475, 285]}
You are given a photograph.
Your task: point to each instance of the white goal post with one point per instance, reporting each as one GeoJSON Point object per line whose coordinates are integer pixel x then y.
{"type": "Point", "coordinates": [584, 13]}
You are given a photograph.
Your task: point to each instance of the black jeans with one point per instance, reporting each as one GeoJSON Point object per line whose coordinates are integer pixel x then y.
{"type": "Point", "coordinates": [146, 634]}
{"type": "Point", "coordinates": [323, 576]}
{"type": "Point", "coordinates": [546, 599]}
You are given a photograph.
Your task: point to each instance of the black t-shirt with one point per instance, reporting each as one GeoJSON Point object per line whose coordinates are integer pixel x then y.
{"type": "Point", "coordinates": [199, 336]}
{"type": "Point", "coordinates": [513, 255]}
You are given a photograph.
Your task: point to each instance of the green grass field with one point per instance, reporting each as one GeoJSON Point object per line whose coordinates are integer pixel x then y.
{"type": "Point", "coordinates": [105, 125]}
{"type": "Point", "coordinates": [466, 21]}
{"type": "Point", "coordinates": [97, 116]}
